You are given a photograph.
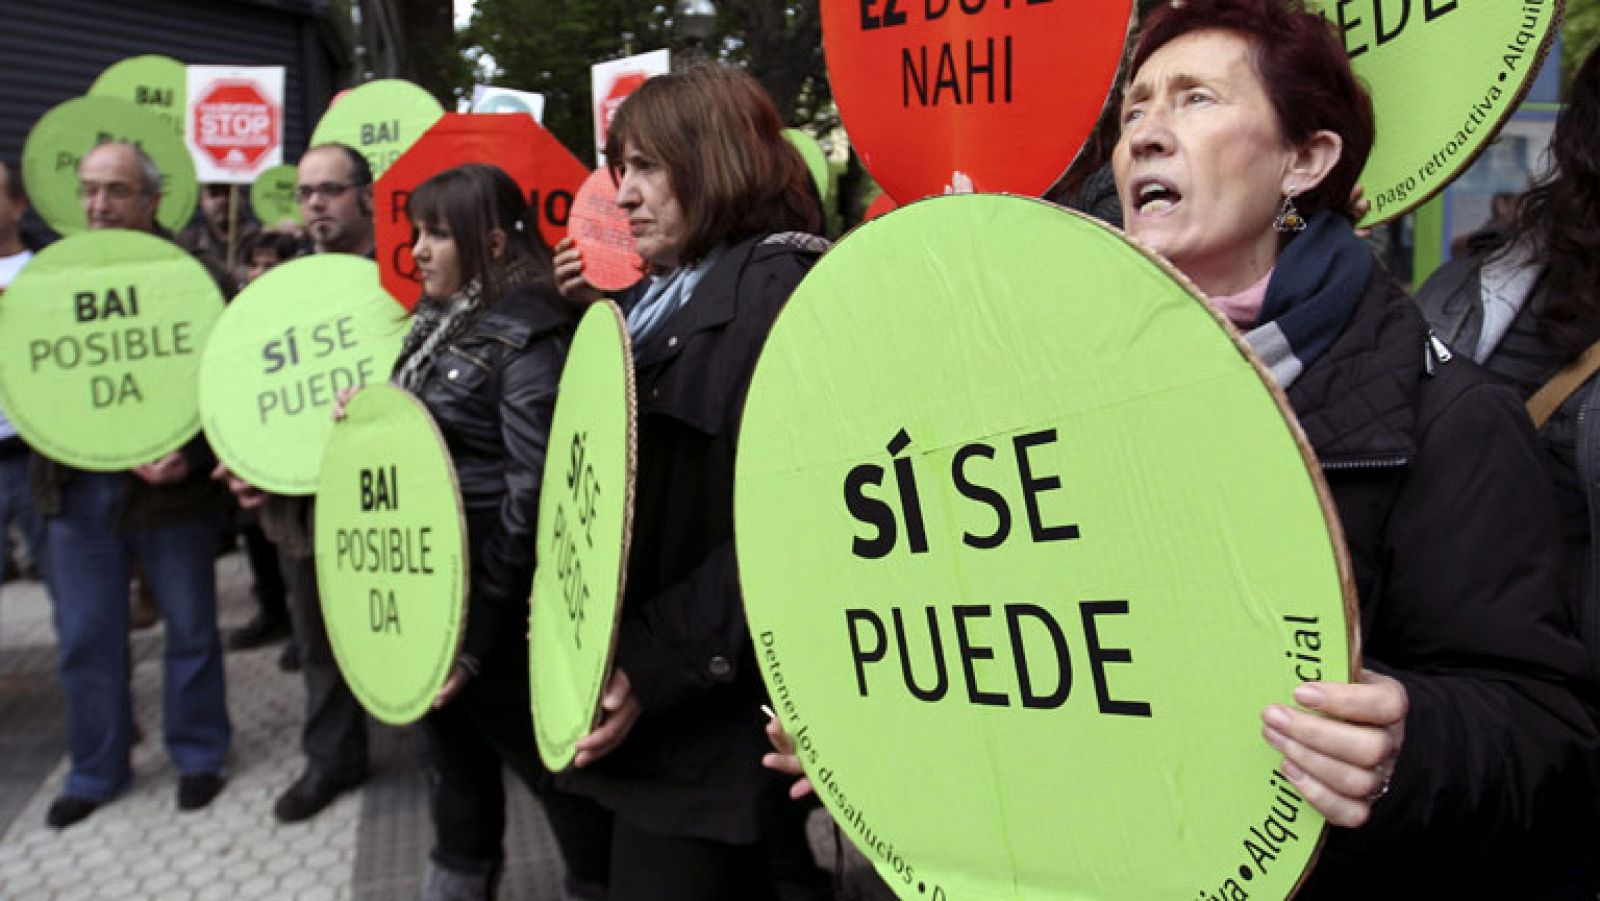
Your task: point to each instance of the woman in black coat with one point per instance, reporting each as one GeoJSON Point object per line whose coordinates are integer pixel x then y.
{"type": "Point", "coordinates": [712, 191]}
{"type": "Point", "coordinates": [1460, 763]}
{"type": "Point", "coordinates": [484, 355]}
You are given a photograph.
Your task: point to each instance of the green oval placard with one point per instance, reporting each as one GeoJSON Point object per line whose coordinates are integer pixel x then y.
{"type": "Point", "coordinates": [1047, 531]}
{"type": "Point", "coordinates": [272, 196]}
{"type": "Point", "coordinates": [391, 554]}
{"type": "Point", "coordinates": [156, 83]}
{"type": "Point", "coordinates": [69, 130]}
{"type": "Point", "coordinates": [285, 348]}
{"type": "Point", "coordinates": [100, 343]}
{"type": "Point", "coordinates": [816, 161]}
{"type": "Point", "coordinates": [382, 119]}
{"type": "Point", "coordinates": [585, 522]}
{"type": "Point", "coordinates": [1443, 75]}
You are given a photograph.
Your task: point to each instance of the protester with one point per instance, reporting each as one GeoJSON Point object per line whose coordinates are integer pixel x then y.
{"type": "Point", "coordinates": [167, 516]}
{"type": "Point", "coordinates": [1459, 762]}
{"type": "Point", "coordinates": [713, 194]}
{"type": "Point", "coordinates": [484, 355]}
{"type": "Point", "coordinates": [268, 249]}
{"type": "Point", "coordinates": [1529, 308]}
{"type": "Point", "coordinates": [335, 194]}
{"type": "Point", "coordinates": [16, 505]}
{"type": "Point", "coordinates": [208, 234]}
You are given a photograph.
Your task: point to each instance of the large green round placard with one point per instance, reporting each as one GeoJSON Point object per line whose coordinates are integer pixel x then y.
{"type": "Point", "coordinates": [1045, 531]}
{"type": "Point", "coordinates": [585, 522]}
{"type": "Point", "coordinates": [69, 130]}
{"type": "Point", "coordinates": [272, 196]}
{"type": "Point", "coordinates": [391, 554]}
{"type": "Point", "coordinates": [285, 348]}
{"type": "Point", "coordinates": [381, 119]}
{"type": "Point", "coordinates": [1443, 75]}
{"type": "Point", "coordinates": [100, 343]}
{"type": "Point", "coordinates": [156, 83]}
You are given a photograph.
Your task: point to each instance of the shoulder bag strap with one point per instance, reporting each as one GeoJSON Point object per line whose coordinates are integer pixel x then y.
{"type": "Point", "coordinates": [1555, 392]}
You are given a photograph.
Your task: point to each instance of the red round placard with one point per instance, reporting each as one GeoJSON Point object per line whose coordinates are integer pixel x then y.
{"type": "Point", "coordinates": [600, 229]}
{"type": "Point", "coordinates": [546, 171]}
{"type": "Point", "coordinates": [1002, 91]}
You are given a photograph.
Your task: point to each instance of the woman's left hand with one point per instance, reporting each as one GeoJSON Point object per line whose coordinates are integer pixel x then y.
{"type": "Point", "coordinates": [1341, 756]}
{"type": "Point", "coordinates": [452, 686]}
{"type": "Point", "coordinates": [619, 709]}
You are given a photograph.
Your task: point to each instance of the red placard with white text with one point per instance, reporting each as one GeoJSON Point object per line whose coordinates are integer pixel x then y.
{"type": "Point", "coordinates": [1003, 92]}
{"type": "Point", "coordinates": [600, 229]}
{"type": "Point", "coordinates": [547, 172]}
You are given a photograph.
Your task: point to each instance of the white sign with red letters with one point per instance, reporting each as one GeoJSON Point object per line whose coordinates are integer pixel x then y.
{"type": "Point", "coordinates": [234, 122]}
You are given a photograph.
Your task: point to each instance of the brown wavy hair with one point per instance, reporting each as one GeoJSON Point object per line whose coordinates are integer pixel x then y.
{"type": "Point", "coordinates": [1562, 215]}
{"type": "Point", "coordinates": [715, 131]}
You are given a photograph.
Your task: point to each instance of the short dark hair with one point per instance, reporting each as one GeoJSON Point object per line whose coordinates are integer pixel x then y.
{"type": "Point", "coordinates": [1303, 69]}
{"type": "Point", "coordinates": [715, 131]}
{"type": "Point", "coordinates": [360, 169]}
{"type": "Point", "coordinates": [15, 192]}
{"type": "Point", "coordinates": [283, 244]}
{"type": "Point", "coordinates": [470, 201]}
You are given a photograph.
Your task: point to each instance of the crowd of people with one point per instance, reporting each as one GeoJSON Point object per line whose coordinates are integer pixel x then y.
{"type": "Point", "coordinates": [1464, 761]}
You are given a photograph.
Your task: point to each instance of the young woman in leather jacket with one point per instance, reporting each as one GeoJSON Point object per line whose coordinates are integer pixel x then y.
{"type": "Point", "coordinates": [484, 355]}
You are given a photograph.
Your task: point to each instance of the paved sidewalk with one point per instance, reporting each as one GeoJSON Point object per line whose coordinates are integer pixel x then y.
{"type": "Point", "coordinates": [368, 845]}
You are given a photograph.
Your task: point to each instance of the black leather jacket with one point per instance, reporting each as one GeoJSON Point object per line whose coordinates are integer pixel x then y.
{"type": "Point", "coordinates": [492, 392]}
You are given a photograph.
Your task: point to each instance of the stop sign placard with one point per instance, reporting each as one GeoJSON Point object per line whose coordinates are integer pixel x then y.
{"type": "Point", "coordinates": [547, 172]}
{"type": "Point", "coordinates": [235, 124]}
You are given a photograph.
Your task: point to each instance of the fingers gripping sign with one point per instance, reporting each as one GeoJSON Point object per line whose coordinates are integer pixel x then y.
{"type": "Point", "coordinates": [1341, 750]}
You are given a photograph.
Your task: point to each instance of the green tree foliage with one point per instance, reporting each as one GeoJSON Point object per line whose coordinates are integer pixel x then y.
{"type": "Point", "coordinates": [1579, 36]}
{"type": "Point", "coordinates": [549, 45]}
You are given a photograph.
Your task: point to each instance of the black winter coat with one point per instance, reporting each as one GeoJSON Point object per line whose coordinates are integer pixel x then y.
{"type": "Point", "coordinates": [492, 391]}
{"type": "Point", "coordinates": [1451, 524]}
{"type": "Point", "coordinates": [692, 764]}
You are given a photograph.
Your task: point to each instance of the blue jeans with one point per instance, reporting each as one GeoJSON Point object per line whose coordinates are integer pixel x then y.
{"type": "Point", "coordinates": [90, 563]}
{"type": "Point", "coordinates": [16, 505]}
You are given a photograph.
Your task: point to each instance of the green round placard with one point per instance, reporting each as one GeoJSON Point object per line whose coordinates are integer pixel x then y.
{"type": "Point", "coordinates": [69, 130]}
{"type": "Point", "coordinates": [382, 119]}
{"type": "Point", "coordinates": [284, 349]}
{"type": "Point", "coordinates": [100, 343]}
{"type": "Point", "coordinates": [156, 83]}
{"type": "Point", "coordinates": [391, 545]}
{"type": "Point", "coordinates": [272, 196]}
{"type": "Point", "coordinates": [1443, 75]}
{"type": "Point", "coordinates": [815, 159]}
{"type": "Point", "coordinates": [1048, 532]}
{"type": "Point", "coordinates": [585, 522]}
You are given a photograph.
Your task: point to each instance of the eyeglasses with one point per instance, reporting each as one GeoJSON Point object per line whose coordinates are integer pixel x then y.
{"type": "Point", "coordinates": [114, 191]}
{"type": "Point", "coordinates": [329, 189]}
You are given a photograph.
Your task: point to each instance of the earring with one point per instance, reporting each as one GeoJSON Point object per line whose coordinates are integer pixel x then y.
{"type": "Point", "coordinates": [1289, 220]}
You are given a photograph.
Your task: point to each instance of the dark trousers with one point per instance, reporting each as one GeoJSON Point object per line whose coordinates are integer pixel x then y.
{"type": "Point", "coordinates": [468, 740]}
{"type": "Point", "coordinates": [648, 866]}
{"type": "Point", "coordinates": [267, 570]}
{"type": "Point", "coordinates": [334, 737]}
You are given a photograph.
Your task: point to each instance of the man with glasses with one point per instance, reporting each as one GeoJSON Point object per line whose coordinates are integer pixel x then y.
{"type": "Point", "coordinates": [166, 515]}
{"type": "Point", "coordinates": [335, 194]}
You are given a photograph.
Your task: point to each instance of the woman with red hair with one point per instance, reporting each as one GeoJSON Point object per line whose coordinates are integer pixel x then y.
{"type": "Point", "coordinates": [1461, 761]}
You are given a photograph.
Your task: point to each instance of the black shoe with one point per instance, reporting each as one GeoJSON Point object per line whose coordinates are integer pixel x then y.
{"type": "Point", "coordinates": [258, 632]}
{"type": "Point", "coordinates": [310, 794]}
{"type": "Point", "coordinates": [289, 660]}
{"type": "Point", "coordinates": [69, 809]}
{"type": "Point", "coordinates": [196, 790]}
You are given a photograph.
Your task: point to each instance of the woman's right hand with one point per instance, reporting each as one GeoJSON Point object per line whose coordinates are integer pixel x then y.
{"type": "Point", "coordinates": [341, 400]}
{"type": "Point", "coordinates": [785, 760]}
{"type": "Point", "coordinates": [570, 281]}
